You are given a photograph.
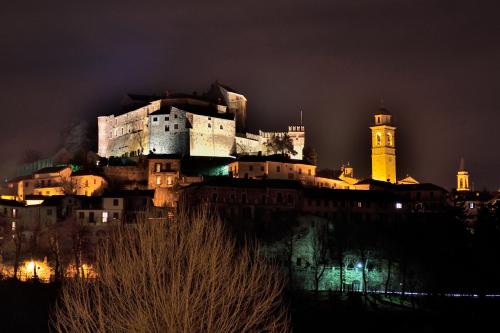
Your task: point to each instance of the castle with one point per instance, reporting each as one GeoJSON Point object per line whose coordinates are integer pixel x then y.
{"type": "Point", "coordinates": [212, 125]}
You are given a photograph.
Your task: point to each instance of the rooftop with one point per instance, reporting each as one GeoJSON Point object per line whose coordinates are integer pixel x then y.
{"type": "Point", "coordinates": [209, 110]}
{"type": "Point", "coordinates": [271, 158]}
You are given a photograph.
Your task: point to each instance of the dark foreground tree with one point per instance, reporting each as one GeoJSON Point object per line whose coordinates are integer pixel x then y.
{"type": "Point", "coordinates": [184, 276]}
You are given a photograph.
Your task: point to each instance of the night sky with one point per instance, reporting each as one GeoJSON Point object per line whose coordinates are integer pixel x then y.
{"type": "Point", "coordinates": [436, 64]}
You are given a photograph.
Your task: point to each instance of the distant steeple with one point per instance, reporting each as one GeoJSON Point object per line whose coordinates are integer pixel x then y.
{"type": "Point", "coordinates": [462, 177]}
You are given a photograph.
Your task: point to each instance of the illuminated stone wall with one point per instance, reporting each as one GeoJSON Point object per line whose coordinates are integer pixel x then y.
{"type": "Point", "coordinates": [169, 132]}
{"type": "Point", "coordinates": [210, 136]}
{"type": "Point", "coordinates": [125, 134]}
{"type": "Point", "coordinates": [181, 132]}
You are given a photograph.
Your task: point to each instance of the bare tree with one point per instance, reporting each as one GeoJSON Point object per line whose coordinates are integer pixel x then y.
{"type": "Point", "coordinates": [68, 186]}
{"type": "Point", "coordinates": [186, 275]}
{"type": "Point", "coordinates": [17, 238]}
{"type": "Point", "coordinates": [319, 252]}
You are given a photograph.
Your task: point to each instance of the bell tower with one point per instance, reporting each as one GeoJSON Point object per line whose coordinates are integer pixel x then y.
{"type": "Point", "coordinates": [383, 148]}
{"type": "Point", "coordinates": [462, 177]}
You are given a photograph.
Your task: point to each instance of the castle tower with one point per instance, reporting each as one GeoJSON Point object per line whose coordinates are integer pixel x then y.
{"type": "Point", "coordinates": [298, 136]}
{"type": "Point", "coordinates": [383, 148]}
{"type": "Point", "coordinates": [462, 177]}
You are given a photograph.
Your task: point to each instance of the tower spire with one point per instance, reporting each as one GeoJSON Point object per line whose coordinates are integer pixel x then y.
{"type": "Point", "coordinates": [462, 164]}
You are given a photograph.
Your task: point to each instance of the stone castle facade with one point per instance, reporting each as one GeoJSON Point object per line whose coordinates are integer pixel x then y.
{"type": "Point", "coordinates": [212, 125]}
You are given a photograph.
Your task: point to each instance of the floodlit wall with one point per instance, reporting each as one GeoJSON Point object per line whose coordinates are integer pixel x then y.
{"type": "Point", "coordinates": [126, 134]}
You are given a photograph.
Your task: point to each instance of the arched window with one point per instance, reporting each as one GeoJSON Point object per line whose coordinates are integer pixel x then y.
{"type": "Point", "coordinates": [389, 139]}
{"type": "Point", "coordinates": [379, 139]}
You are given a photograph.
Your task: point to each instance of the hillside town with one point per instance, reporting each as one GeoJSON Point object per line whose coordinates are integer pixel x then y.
{"type": "Point", "coordinates": [167, 152]}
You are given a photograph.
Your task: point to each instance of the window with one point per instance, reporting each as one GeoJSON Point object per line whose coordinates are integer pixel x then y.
{"type": "Point", "coordinates": [157, 167]}
{"type": "Point", "coordinates": [209, 125]}
{"type": "Point", "coordinates": [91, 217]}
{"type": "Point", "coordinates": [250, 168]}
{"type": "Point", "coordinates": [158, 180]}
{"type": "Point", "coordinates": [309, 172]}
{"type": "Point", "coordinates": [360, 204]}
{"type": "Point", "coordinates": [14, 212]}
{"type": "Point", "coordinates": [278, 169]}
{"type": "Point", "coordinates": [262, 168]}
{"type": "Point", "coordinates": [155, 119]}
{"type": "Point", "coordinates": [221, 127]}
{"type": "Point", "coordinates": [87, 183]}
{"type": "Point", "coordinates": [166, 118]}
{"type": "Point", "coordinates": [115, 202]}
{"type": "Point", "coordinates": [176, 126]}
{"type": "Point", "coordinates": [389, 139]}
{"type": "Point", "coordinates": [300, 171]}
{"type": "Point", "coordinates": [167, 128]}
{"type": "Point", "coordinates": [471, 205]}
{"type": "Point", "coordinates": [116, 216]}
{"type": "Point", "coordinates": [175, 116]}
{"type": "Point", "coordinates": [379, 139]}
{"type": "Point", "coordinates": [104, 217]}
{"type": "Point", "coordinates": [169, 180]}
{"type": "Point", "coordinates": [399, 205]}
{"type": "Point", "coordinates": [81, 215]}
{"type": "Point", "coordinates": [13, 227]}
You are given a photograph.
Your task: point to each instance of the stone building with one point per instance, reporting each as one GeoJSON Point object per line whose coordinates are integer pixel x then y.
{"type": "Point", "coordinates": [52, 181]}
{"type": "Point", "coordinates": [273, 167]}
{"type": "Point", "coordinates": [192, 130]}
{"type": "Point", "coordinates": [212, 124]}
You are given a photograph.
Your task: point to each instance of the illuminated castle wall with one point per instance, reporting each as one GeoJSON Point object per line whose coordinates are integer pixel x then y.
{"type": "Point", "coordinates": [175, 131]}
{"type": "Point", "coordinates": [189, 124]}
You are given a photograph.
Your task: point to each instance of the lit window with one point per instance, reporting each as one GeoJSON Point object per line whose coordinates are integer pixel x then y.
{"type": "Point", "coordinates": [104, 217]}
{"type": "Point", "coordinates": [158, 180]}
{"type": "Point", "coordinates": [399, 205]}
{"type": "Point", "coordinates": [13, 226]}
{"type": "Point", "coordinates": [169, 180]}
{"type": "Point", "coordinates": [14, 212]}
{"type": "Point", "coordinates": [157, 167]}
{"type": "Point", "coordinates": [471, 205]}
{"type": "Point", "coordinates": [360, 204]}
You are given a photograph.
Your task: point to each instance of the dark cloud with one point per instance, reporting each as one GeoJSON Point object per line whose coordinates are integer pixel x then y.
{"type": "Point", "coordinates": [435, 63]}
